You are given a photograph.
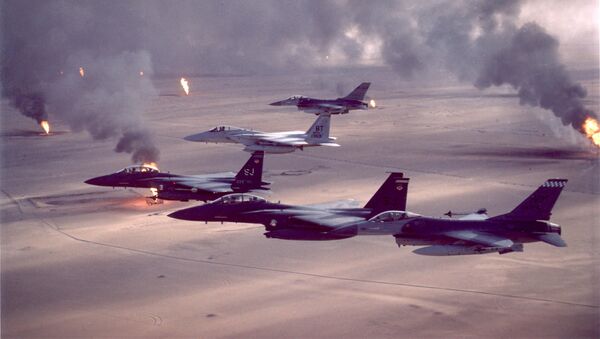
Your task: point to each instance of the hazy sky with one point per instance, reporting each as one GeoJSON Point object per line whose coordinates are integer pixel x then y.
{"type": "Point", "coordinates": [487, 43]}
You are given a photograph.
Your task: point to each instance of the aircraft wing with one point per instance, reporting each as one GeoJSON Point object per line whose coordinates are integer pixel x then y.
{"type": "Point", "coordinates": [480, 238]}
{"type": "Point", "coordinates": [283, 141]}
{"type": "Point", "coordinates": [275, 139]}
{"type": "Point", "coordinates": [313, 219]}
{"type": "Point", "coordinates": [331, 107]}
{"type": "Point", "coordinates": [346, 203]}
{"type": "Point", "coordinates": [200, 183]}
{"type": "Point", "coordinates": [327, 220]}
{"type": "Point", "coordinates": [474, 216]}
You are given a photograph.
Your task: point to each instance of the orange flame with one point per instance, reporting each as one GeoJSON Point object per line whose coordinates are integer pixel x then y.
{"type": "Point", "coordinates": [185, 85]}
{"type": "Point", "coordinates": [46, 126]}
{"type": "Point", "coordinates": [372, 103]}
{"type": "Point", "coordinates": [592, 130]}
{"type": "Point", "coordinates": [81, 71]}
{"type": "Point", "coordinates": [150, 164]}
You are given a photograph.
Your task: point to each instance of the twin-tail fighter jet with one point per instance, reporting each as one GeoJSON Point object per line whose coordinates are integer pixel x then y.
{"type": "Point", "coordinates": [300, 222]}
{"type": "Point", "coordinates": [385, 214]}
{"type": "Point", "coordinates": [343, 105]}
{"type": "Point", "coordinates": [275, 142]}
{"type": "Point", "coordinates": [167, 186]}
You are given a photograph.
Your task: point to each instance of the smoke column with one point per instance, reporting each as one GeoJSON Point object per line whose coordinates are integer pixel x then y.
{"type": "Point", "coordinates": [44, 44]}
{"type": "Point", "coordinates": [529, 63]}
{"type": "Point", "coordinates": [481, 42]}
{"type": "Point", "coordinates": [31, 105]}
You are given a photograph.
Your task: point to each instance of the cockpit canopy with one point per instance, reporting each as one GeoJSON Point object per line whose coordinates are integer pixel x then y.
{"type": "Point", "coordinates": [390, 216]}
{"type": "Point", "coordinates": [237, 198]}
{"type": "Point", "coordinates": [139, 169]}
{"type": "Point", "coordinates": [295, 97]}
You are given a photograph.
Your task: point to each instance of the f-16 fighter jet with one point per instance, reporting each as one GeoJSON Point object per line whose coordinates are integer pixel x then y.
{"type": "Point", "coordinates": [167, 186]}
{"type": "Point", "coordinates": [343, 105]}
{"type": "Point", "coordinates": [300, 222]}
{"type": "Point", "coordinates": [386, 214]}
{"type": "Point", "coordinates": [277, 142]}
{"type": "Point", "coordinates": [476, 233]}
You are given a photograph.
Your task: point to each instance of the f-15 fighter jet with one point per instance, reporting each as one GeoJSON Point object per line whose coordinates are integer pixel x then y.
{"type": "Point", "coordinates": [343, 105]}
{"type": "Point", "coordinates": [277, 142]}
{"type": "Point", "coordinates": [386, 214]}
{"type": "Point", "coordinates": [167, 186]}
{"type": "Point", "coordinates": [300, 222]}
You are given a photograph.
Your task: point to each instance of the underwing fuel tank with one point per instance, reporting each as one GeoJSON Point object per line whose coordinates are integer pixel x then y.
{"type": "Point", "coordinates": [443, 250]}
{"type": "Point", "coordinates": [269, 149]}
{"type": "Point", "coordinates": [294, 234]}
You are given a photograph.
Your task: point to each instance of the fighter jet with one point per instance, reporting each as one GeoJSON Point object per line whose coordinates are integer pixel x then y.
{"type": "Point", "coordinates": [167, 186]}
{"type": "Point", "coordinates": [300, 222]}
{"type": "Point", "coordinates": [476, 233]}
{"type": "Point", "coordinates": [277, 142]}
{"type": "Point", "coordinates": [386, 214]}
{"type": "Point", "coordinates": [343, 105]}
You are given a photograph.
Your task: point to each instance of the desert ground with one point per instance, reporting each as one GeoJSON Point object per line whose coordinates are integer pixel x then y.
{"type": "Point", "coordinates": [85, 261]}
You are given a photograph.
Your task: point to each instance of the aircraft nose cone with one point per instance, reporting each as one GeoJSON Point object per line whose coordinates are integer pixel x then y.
{"type": "Point", "coordinates": [276, 103]}
{"type": "Point", "coordinates": [195, 137]}
{"type": "Point", "coordinates": [181, 215]}
{"type": "Point", "coordinates": [98, 181]}
{"type": "Point", "coordinates": [193, 214]}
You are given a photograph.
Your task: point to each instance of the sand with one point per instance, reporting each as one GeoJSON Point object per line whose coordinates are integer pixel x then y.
{"type": "Point", "coordinates": [84, 261]}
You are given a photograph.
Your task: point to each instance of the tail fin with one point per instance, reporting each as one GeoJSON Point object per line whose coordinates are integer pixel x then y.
{"type": "Point", "coordinates": [538, 205]}
{"type": "Point", "coordinates": [391, 195]}
{"type": "Point", "coordinates": [319, 131]}
{"type": "Point", "coordinates": [359, 92]}
{"type": "Point", "coordinates": [250, 176]}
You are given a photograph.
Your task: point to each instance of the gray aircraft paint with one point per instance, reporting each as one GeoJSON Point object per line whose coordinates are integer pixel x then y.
{"type": "Point", "coordinates": [385, 214]}
{"type": "Point", "coordinates": [205, 187]}
{"type": "Point", "coordinates": [273, 142]}
{"type": "Point", "coordinates": [343, 105]}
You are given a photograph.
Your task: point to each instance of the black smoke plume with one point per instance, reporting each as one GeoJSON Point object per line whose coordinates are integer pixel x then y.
{"type": "Point", "coordinates": [481, 42]}
{"type": "Point", "coordinates": [477, 41]}
{"type": "Point", "coordinates": [31, 105]}
{"type": "Point", "coordinates": [44, 44]}
{"type": "Point", "coordinates": [530, 64]}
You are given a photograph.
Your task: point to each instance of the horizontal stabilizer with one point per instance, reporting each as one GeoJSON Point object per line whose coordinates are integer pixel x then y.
{"type": "Point", "coordinates": [552, 239]}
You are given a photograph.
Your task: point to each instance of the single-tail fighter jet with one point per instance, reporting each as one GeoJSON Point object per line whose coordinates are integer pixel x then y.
{"type": "Point", "coordinates": [275, 142]}
{"type": "Point", "coordinates": [300, 222]}
{"type": "Point", "coordinates": [343, 105]}
{"type": "Point", "coordinates": [475, 233]}
{"type": "Point", "coordinates": [167, 186]}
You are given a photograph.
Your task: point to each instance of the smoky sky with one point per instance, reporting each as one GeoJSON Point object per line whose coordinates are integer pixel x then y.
{"type": "Point", "coordinates": [480, 42]}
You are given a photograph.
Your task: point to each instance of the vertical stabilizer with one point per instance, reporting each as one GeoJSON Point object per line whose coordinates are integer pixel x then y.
{"type": "Point", "coordinates": [359, 92]}
{"type": "Point", "coordinates": [538, 205]}
{"type": "Point", "coordinates": [250, 176]}
{"type": "Point", "coordinates": [391, 195]}
{"type": "Point", "coordinates": [319, 131]}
